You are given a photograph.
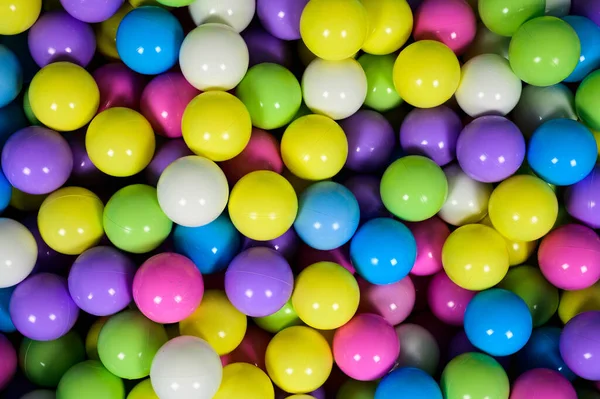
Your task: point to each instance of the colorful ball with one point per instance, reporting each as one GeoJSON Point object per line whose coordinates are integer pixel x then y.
{"type": "Point", "coordinates": [586, 100]}
{"type": "Point", "coordinates": [579, 347]}
{"type": "Point", "coordinates": [12, 76]}
{"type": "Point", "coordinates": [390, 25]}
{"type": "Point", "coordinates": [119, 86]}
{"type": "Point", "coordinates": [504, 17]}
{"type": "Point", "coordinates": [245, 380]}
{"type": "Point", "coordinates": [143, 390]}
{"type": "Point", "coordinates": [6, 324]}
{"type": "Point", "coordinates": [589, 36]}
{"type": "Point", "coordinates": [476, 375]}
{"type": "Point", "coordinates": [251, 350]}
{"type": "Point", "coordinates": [235, 13]}
{"type": "Point", "coordinates": [281, 18]}
{"type": "Point", "coordinates": [18, 251]}
{"type": "Point", "coordinates": [8, 367]}
{"type": "Point", "coordinates": [573, 303]}
{"type": "Point", "coordinates": [581, 197]}
{"type": "Point", "coordinates": [18, 15]}
{"type": "Point", "coordinates": [379, 70]}
{"type": "Point", "coordinates": [487, 42]}
{"type": "Point", "coordinates": [547, 383]}
{"type": "Point", "coordinates": [366, 190]}
{"type": "Point", "coordinates": [412, 382]}
{"type": "Point", "coordinates": [394, 302]}
{"type": "Point", "coordinates": [262, 47]}
{"type": "Point", "coordinates": [40, 394]}
{"type": "Point", "coordinates": [280, 320]}
{"type": "Point", "coordinates": [421, 349]}
{"type": "Point", "coordinates": [92, 380]}
{"type": "Point", "coordinates": [166, 153]}
{"type": "Point", "coordinates": [430, 235]}
{"type": "Point", "coordinates": [106, 31]}
{"type": "Point", "coordinates": [542, 352]}
{"type": "Point", "coordinates": [90, 10]}
{"type": "Point", "coordinates": [352, 389]}
{"type": "Point", "coordinates": [448, 301]}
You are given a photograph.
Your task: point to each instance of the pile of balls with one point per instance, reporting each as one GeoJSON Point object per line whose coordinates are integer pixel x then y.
{"type": "Point", "coordinates": [309, 199]}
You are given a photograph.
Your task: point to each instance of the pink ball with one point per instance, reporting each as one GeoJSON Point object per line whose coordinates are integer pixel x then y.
{"type": "Point", "coordinates": [451, 22]}
{"type": "Point", "coordinates": [447, 300]}
{"type": "Point", "coordinates": [569, 257]}
{"type": "Point", "coordinates": [167, 288]}
{"type": "Point", "coordinates": [430, 236]}
{"type": "Point", "coordinates": [366, 347]}
{"type": "Point", "coordinates": [119, 86]}
{"type": "Point", "coordinates": [163, 101]}
{"type": "Point", "coordinates": [308, 255]}
{"type": "Point", "coordinates": [542, 384]}
{"type": "Point", "coordinates": [251, 350]}
{"type": "Point", "coordinates": [393, 302]}
{"type": "Point", "coordinates": [8, 361]}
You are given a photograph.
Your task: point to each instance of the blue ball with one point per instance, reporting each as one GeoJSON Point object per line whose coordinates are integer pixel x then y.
{"type": "Point", "coordinates": [383, 251]}
{"type": "Point", "coordinates": [5, 192]}
{"type": "Point", "coordinates": [11, 76]}
{"type": "Point", "coordinates": [589, 36]}
{"type": "Point", "coordinates": [148, 40]}
{"type": "Point", "coordinates": [19, 45]}
{"type": "Point", "coordinates": [562, 152]}
{"type": "Point", "coordinates": [6, 324]}
{"type": "Point", "coordinates": [12, 119]}
{"type": "Point", "coordinates": [328, 215]}
{"type": "Point", "coordinates": [542, 352]}
{"type": "Point", "coordinates": [211, 247]}
{"type": "Point", "coordinates": [498, 322]}
{"type": "Point", "coordinates": [409, 383]}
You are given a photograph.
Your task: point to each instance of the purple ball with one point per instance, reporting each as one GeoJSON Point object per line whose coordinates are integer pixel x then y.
{"type": "Point", "coordinates": [281, 18]}
{"type": "Point", "coordinates": [490, 149]}
{"type": "Point", "coordinates": [101, 280]}
{"type": "Point", "coordinates": [37, 160]}
{"type": "Point", "coordinates": [259, 281]}
{"type": "Point", "coordinates": [84, 172]}
{"type": "Point", "coordinates": [41, 307]}
{"type": "Point", "coordinates": [48, 260]}
{"type": "Point", "coordinates": [580, 346]}
{"type": "Point", "coordinates": [587, 8]}
{"type": "Point", "coordinates": [264, 47]}
{"type": "Point", "coordinates": [92, 11]}
{"type": "Point", "coordinates": [57, 36]}
{"type": "Point", "coordinates": [286, 244]}
{"type": "Point", "coordinates": [166, 153]}
{"type": "Point", "coordinates": [366, 190]}
{"type": "Point", "coordinates": [460, 344]}
{"type": "Point", "coordinates": [583, 197]}
{"type": "Point", "coordinates": [371, 141]}
{"type": "Point", "coordinates": [431, 132]}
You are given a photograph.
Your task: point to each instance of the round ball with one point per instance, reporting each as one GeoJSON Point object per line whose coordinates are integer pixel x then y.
{"type": "Point", "coordinates": [142, 390]}
{"type": "Point", "coordinates": [6, 324]}
{"type": "Point", "coordinates": [580, 197]}
{"type": "Point", "coordinates": [381, 93]}
{"type": "Point", "coordinates": [542, 352]}
{"type": "Point", "coordinates": [91, 379]}
{"type": "Point", "coordinates": [286, 244]}
{"type": "Point", "coordinates": [167, 152]}
{"type": "Point", "coordinates": [487, 42]}
{"type": "Point", "coordinates": [19, 252]}
{"type": "Point", "coordinates": [245, 380]}
{"type": "Point", "coordinates": [589, 36]}
{"type": "Point", "coordinates": [234, 13]}
{"type": "Point", "coordinates": [280, 320]}
{"type": "Point", "coordinates": [119, 86]}
{"type": "Point", "coordinates": [90, 10]}
{"type": "Point", "coordinates": [409, 381]}
{"type": "Point", "coordinates": [106, 31]}
{"type": "Point", "coordinates": [586, 99]}
{"type": "Point", "coordinates": [12, 76]}
{"type": "Point", "coordinates": [394, 302]}
{"type": "Point", "coordinates": [281, 18]}
{"type": "Point", "coordinates": [430, 235]}
{"type": "Point", "coordinates": [418, 348]}
{"type": "Point", "coordinates": [475, 375]}
{"type": "Point", "coordinates": [543, 383]}
{"type": "Point", "coordinates": [577, 343]}
{"type": "Point", "coordinates": [5, 192]}
{"type": "Point", "coordinates": [40, 394]}
{"type": "Point", "coordinates": [18, 15]}
{"type": "Point", "coordinates": [504, 17]}
{"type": "Point", "coordinates": [573, 303]}
{"type": "Point", "coordinates": [9, 361]}
{"type": "Point", "coordinates": [447, 300]}
{"type": "Point", "coordinates": [390, 25]}
{"type": "Point", "coordinates": [371, 138]}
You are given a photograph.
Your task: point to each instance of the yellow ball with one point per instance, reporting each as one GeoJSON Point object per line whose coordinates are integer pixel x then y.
{"type": "Point", "coordinates": [573, 303]}
{"type": "Point", "coordinates": [16, 16]}
{"type": "Point", "coordinates": [426, 74]}
{"type": "Point", "coordinates": [64, 96]}
{"type": "Point", "coordinates": [217, 322]}
{"type": "Point", "coordinates": [106, 32]}
{"type": "Point", "coordinates": [597, 138]}
{"type": "Point", "coordinates": [518, 251]}
{"type": "Point", "coordinates": [523, 208]}
{"type": "Point", "coordinates": [91, 339]}
{"type": "Point", "coordinates": [390, 25]}
{"type": "Point", "coordinates": [314, 147]}
{"type": "Point", "coordinates": [26, 202]}
{"type": "Point", "coordinates": [298, 359]}
{"type": "Point", "coordinates": [143, 390]}
{"type": "Point", "coordinates": [216, 125]}
{"type": "Point", "coordinates": [326, 296]}
{"type": "Point", "coordinates": [120, 142]}
{"type": "Point", "coordinates": [475, 257]}
{"type": "Point", "coordinates": [244, 381]}
{"type": "Point", "coordinates": [140, 3]}
{"type": "Point", "coordinates": [263, 205]}
{"type": "Point", "coordinates": [70, 220]}
{"type": "Point", "coordinates": [334, 29]}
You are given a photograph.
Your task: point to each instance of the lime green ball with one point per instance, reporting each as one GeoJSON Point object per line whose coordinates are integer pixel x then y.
{"type": "Point", "coordinates": [90, 380]}
{"type": "Point", "coordinates": [134, 221]}
{"type": "Point", "coordinates": [283, 318]}
{"type": "Point", "coordinates": [474, 375]}
{"type": "Point", "coordinates": [504, 17]}
{"type": "Point", "coordinates": [544, 51]}
{"type": "Point", "coordinates": [381, 93]}
{"type": "Point", "coordinates": [28, 111]}
{"type": "Point", "coordinates": [272, 95]}
{"type": "Point", "coordinates": [414, 188]}
{"type": "Point", "coordinates": [587, 100]}
{"type": "Point", "coordinates": [45, 362]}
{"type": "Point", "coordinates": [175, 3]}
{"type": "Point", "coordinates": [353, 389]}
{"type": "Point", "coordinates": [128, 342]}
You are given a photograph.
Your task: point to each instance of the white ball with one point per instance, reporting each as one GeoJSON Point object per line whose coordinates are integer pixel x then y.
{"type": "Point", "coordinates": [213, 56]}
{"type": "Point", "coordinates": [39, 394]}
{"type": "Point", "coordinates": [18, 252]}
{"type": "Point", "coordinates": [488, 86]}
{"type": "Point", "coordinates": [186, 368]}
{"type": "Point", "coordinates": [467, 200]}
{"type": "Point", "coordinates": [558, 8]}
{"type": "Point", "coordinates": [236, 13]}
{"type": "Point", "coordinates": [336, 89]}
{"type": "Point", "coordinates": [418, 348]}
{"type": "Point", "coordinates": [193, 191]}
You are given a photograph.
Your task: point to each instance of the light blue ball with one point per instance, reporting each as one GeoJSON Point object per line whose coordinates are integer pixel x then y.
{"type": "Point", "coordinates": [6, 324]}
{"type": "Point", "coordinates": [589, 36]}
{"type": "Point", "coordinates": [542, 352]}
{"type": "Point", "coordinates": [148, 40]}
{"type": "Point", "coordinates": [11, 76]}
{"type": "Point", "coordinates": [409, 383]}
{"type": "Point", "coordinates": [211, 247]}
{"type": "Point", "coordinates": [383, 251]}
{"type": "Point", "coordinates": [5, 192]}
{"type": "Point", "coordinates": [498, 322]}
{"type": "Point", "coordinates": [328, 215]}
{"type": "Point", "coordinates": [12, 119]}
{"type": "Point", "coordinates": [562, 152]}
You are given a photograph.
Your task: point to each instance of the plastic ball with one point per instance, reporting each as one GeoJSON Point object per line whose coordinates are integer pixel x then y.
{"type": "Point", "coordinates": [542, 383]}
{"type": "Point", "coordinates": [381, 93]}
{"type": "Point", "coordinates": [418, 348]}
{"type": "Point", "coordinates": [542, 352]}
{"type": "Point", "coordinates": [64, 96]}
{"type": "Point", "coordinates": [448, 301]}
{"type": "Point", "coordinates": [586, 99]}
{"type": "Point", "coordinates": [366, 190]}
{"type": "Point", "coordinates": [412, 382]}
{"type": "Point", "coordinates": [8, 367]}
{"type": "Point", "coordinates": [106, 32]}
{"type": "Point", "coordinates": [213, 56]}
{"type": "Point", "coordinates": [390, 25]}
{"type": "Point", "coordinates": [6, 324]}
{"type": "Point", "coordinates": [558, 8]}
{"type": "Point", "coordinates": [245, 380]}
{"type": "Point", "coordinates": [573, 303]}
{"type": "Point", "coordinates": [589, 36]}
{"type": "Point", "coordinates": [430, 235]}
{"type": "Point", "coordinates": [307, 256]}
{"type": "Point", "coordinates": [426, 74]}
{"type": "Point", "coordinates": [281, 18]}
{"type": "Point", "coordinates": [40, 394]}
{"type": "Point", "coordinates": [12, 118]}
{"type": "Point", "coordinates": [585, 8]}
{"type": "Point", "coordinates": [235, 13]}
{"type": "Point", "coordinates": [251, 350]}
{"type": "Point", "coordinates": [504, 17]}
{"type": "Point", "coordinates": [90, 10]}
{"type": "Point", "coordinates": [17, 16]}
{"type": "Point", "coordinates": [92, 380]}
{"type": "Point", "coordinates": [18, 251]}
{"type": "Point", "coordinates": [280, 320]}
{"type": "Point", "coordinates": [531, 216]}
{"type": "Point", "coordinates": [12, 76]}
{"type": "Point", "coordinates": [143, 390]}
{"type": "Point", "coordinates": [394, 302]}
{"type": "Point", "coordinates": [133, 220]}
{"type": "Point", "coordinates": [70, 220]}
{"type": "Point", "coordinates": [352, 389]}
{"type": "Point", "coordinates": [165, 154]}
{"type": "Point", "coordinates": [579, 347]}
{"type": "Point", "coordinates": [487, 42]}
{"type": "Point", "coordinates": [475, 375]}
{"type": "Point", "coordinates": [119, 86]}
{"type": "Point", "coordinates": [264, 48]}
{"type": "Point", "coordinates": [167, 3]}
{"type": "Point", "coordinates": [580, 199]}
{"type": "Point", "coordinates": [298, 359]}
{"type": "Point", "coordinates": [91, 340]}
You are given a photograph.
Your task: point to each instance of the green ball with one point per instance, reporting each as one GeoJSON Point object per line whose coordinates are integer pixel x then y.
{"type": "Point", "coordinates": [504, 17]}
{"type": "Point", "coordinates": [283, 318]}
{"type": "Point", "coordinates": [134, 221]}
{"type": "Point", "coordinates": [583, 393]}
{"type": "Point", "coordinates": [90, 380]}
{"type": "Point", "coordinates": [544, 51]}
{"type": "Point", "coordinates": [272, 95]}
{"type": "Point", "coordinates": [45, 362]}
{"type": "Point", "coordinates": [414, 188]}
{"type": "Point", "coordinates": [353, 389]}
{"type": "Point", "coordinates": [175, 3]}
{"type": "Point", "coordinates": [587, 100]}
{"type": "Point", "coordinates": [474, 375]}
{"type": "Point", "coordinates": [381, 93]}
{"type": "Point", "coordinates": [28, 111]}
{"type": "Point", "coordinates": [128, 342]}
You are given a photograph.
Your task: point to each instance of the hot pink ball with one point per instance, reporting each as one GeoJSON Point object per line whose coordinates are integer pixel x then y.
{"type": "Point", "coordinates": [366, 347]}
{"type": "Point", "coordinates": [430, 236]}
{"type": "Point", "coordinates": [119, 86]}
{"type": "Point", "coordinates": [393, 302]}
{"type": "Point", "coordinates": [167, 288]}
{"type": "Point", "coordinates": [569, 257]}
{"type": "Point", "coordinates": [8, 361]}
{"type": "Point", "coordinates": [447, 300]}
{"type": "Point", "coordinates": [308, 255]}
{"type": "Point", "coordinates": [542, 384]}
{"type": "Point", "coordinates": [252, 349]}
{"type": "Point", "coordinates": [451, 22]}
{"type": "Point", "coordinates": [163, 101]}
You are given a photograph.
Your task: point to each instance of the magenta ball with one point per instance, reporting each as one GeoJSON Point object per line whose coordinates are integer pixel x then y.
{"type": "Point", "coordinates": [582, 199]}
{"type": "Point", "coordinates": [259, 281]}
{"type": "Point", "coordinates": [163, 101]}
{"type": "Point", "coordinates": [430, 236]}
{"type": "Point", "coordinates": [100, 281]}
{"type": "Point", "coordinates": [580, 347]}
{"type": "Point", "coordinates": [167, 288]}
{"type": "Point", "coordinates": [366, 347]}
{"type": "Point", "coordinates": [281, 18]}
{"type": "Point", "coordinates": [447, 301]}
{"type": "Point", "coordinates": [264, 47]}
{"type": "Point", "coordinates": [542, 383]}
{"type": "Point", "coordinates": [165, 154]}
{"type": "Point", "coordinates": [286, 244]}
{"type": "Point", "coordinates": [8, 363]}
{"type": "Point", "coordinates": [41, 307]}
{"type": "Point", "coordinates": [119, 86]}
{"type": "Point", "coordinates": [394, 302]}
{"type": "Point", "coordinates": [37, 160]}
{"type": "Point", "coordinates": [366, 190]}
{"type": "Point", "coordinates": [92, 11]}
